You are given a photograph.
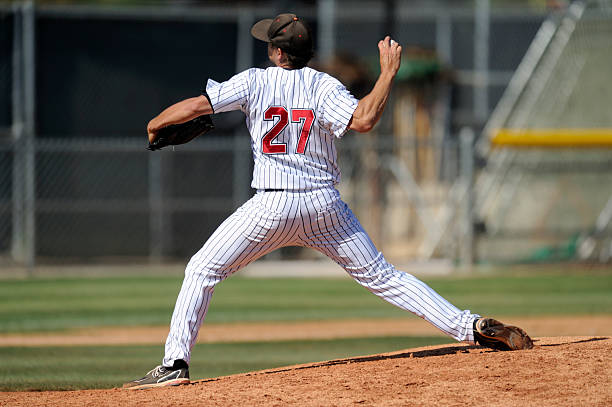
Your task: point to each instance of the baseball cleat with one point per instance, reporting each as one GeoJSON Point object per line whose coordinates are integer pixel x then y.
{"type": "Point", "coordinates": [494, 334]}
{"type": "Point", "coordinates": [161, 376]}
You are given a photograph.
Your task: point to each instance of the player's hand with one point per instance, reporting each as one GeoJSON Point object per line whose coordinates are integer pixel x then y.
{"type": "Point", "coordinates": [151, 131]}
{"type": "Point", "coordinates": [152, 137]}
{"type": "Point", "coordinates": [390, 56]}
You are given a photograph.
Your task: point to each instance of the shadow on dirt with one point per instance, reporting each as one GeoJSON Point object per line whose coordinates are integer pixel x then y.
{"type": "Point", "coordinates": [601, 338]}
{"type": "Point", "coordinates": [418, 354]}
{"type": "Point", "coordinates": [405, 355]}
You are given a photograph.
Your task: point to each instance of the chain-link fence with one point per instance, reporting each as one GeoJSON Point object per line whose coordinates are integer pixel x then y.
{"type": "Point", "coordinates": [117, 199]}
{"type": "Point", "coordinates": [114, 200]}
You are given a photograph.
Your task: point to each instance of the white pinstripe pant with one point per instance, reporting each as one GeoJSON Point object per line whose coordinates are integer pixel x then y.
{"type": "Point", "coordinates": [318, 219]}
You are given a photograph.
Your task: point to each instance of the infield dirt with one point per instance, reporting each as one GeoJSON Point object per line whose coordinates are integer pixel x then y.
{"type": "Point", "coordinates": [558, 371]}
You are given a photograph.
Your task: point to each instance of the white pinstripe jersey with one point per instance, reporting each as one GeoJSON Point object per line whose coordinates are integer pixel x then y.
{"type": "Point", "coordinates": [293, 117]}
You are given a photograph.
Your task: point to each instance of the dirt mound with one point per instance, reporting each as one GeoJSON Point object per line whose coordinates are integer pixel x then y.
{"type": "Point", "coordinates": [558, 371]}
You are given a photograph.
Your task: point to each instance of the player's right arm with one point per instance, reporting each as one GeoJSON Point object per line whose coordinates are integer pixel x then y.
{"type": "Point", "coordinates": [370, 108]}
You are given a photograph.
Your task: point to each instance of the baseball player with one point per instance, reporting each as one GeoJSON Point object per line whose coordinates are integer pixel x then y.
{"type": "Point", "coordinates": [294, 115]}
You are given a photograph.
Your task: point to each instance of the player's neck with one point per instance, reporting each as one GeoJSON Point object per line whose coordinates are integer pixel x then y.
{"type": "Point", "coordinates": [284, 65]}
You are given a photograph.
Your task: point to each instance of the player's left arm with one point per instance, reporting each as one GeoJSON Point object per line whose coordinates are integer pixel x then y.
{"type": "Point", "coordinates": [180, 112]}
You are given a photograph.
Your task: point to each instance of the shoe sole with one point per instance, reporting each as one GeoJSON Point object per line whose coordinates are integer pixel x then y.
{"type": "Point", "coordinates": [175, 382]}
{"type": "Point", "coordinates": [512, 336]}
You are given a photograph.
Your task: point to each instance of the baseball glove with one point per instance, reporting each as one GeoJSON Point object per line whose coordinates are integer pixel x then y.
{"type": "Point", "coordinates": [176, 134]}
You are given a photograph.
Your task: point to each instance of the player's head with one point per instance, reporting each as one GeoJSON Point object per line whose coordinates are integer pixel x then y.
{"type": "Point", "coordinates": [289, 33]}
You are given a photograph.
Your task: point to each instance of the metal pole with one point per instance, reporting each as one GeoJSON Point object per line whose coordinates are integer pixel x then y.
{"type": "Point", "coordinates": [29, 92]}
{"type": "Point", "coordinates": [481, 59]}
{"type": "Point", "coordinates": [444, 35]}
{"type": "Point", "coordinates": [240, 168]}
{"type": "Point", "coordinates": [17, 241]}
{"type": "Point", "coordinates": [518, 83]}
{"type": "Point", "coordinates": [244, 46]}
{"type": "Point", "coordinates": [466, 237]}
{"type": "Point", "coordinates": [244, 60]}
{"type": "Point", "coordinates": [326, 20]}
{"type": "Point", "coordinates": [156, 212]}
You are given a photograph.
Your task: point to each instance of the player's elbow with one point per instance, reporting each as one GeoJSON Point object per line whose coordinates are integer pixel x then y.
{"type": "Point", "coordinates": [362, 125]}
{"type": "Point", "coordinates": [365, 128]}
{"type": "Point", "coordinates": [200, 105]}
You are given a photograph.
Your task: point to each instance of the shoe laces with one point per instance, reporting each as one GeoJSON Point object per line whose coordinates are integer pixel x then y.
{"type": "Point", "coordinates": [158, 371]}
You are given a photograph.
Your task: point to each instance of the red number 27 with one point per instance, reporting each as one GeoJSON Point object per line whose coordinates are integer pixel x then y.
{"type": "Point", "coordinates": [303, 116]}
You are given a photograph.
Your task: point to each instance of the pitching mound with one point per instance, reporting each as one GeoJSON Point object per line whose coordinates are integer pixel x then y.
{"type": "Point", "coordinates": [558, 371]}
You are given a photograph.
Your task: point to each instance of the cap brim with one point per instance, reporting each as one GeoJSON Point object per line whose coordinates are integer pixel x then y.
{"type": "Point", "coordinates": [260, 29]}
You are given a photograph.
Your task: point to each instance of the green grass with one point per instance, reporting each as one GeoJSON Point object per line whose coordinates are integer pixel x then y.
{"type": "Point", "coordinates": [53, 304]}
{"type": "Point", "coordinates": [531, 294]}
{"type": "Point", "coordinates": [83, 367]}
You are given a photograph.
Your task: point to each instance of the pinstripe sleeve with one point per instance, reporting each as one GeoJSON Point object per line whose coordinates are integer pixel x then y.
{"type": "Point", "coordinates": [336, 108]}
{"type": "Point", "coordinates": [232, 94]}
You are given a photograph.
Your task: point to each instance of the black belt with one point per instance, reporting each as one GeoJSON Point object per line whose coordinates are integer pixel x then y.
{"type": "Point", "coordinates": [273, 190]}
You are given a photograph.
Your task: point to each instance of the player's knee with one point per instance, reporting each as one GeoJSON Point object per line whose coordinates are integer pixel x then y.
{"type": "Point", "coordinates": [372, 274]}
{"type": "Point", "coordinates": [378, 267]}
{"type": "Point", "coordinates": [198, 267]}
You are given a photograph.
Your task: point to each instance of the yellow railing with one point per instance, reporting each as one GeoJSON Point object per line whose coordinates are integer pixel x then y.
{"type": "Point", "coordinates": [587, 138]}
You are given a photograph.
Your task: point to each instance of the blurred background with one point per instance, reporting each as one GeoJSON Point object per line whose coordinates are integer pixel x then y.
{"type": "Point", "coordinates": [493, 147]}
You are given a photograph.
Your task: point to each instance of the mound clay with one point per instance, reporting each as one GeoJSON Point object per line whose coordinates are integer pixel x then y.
{"type": "Point", "coordinates": [558, 371]}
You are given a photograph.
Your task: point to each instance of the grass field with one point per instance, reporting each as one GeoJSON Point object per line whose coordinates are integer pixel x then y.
{"type": "Point", "coordinates": [55, 304]}
{"type": "Point", "coordinates": [65, 368]}
{"type": "Point", "coordinates": [51, 304]}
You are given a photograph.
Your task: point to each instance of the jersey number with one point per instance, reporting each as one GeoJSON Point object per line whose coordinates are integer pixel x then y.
{"type": "Point", "coordinates": [303, 116]}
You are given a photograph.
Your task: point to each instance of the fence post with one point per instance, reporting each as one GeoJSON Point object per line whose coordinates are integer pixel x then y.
{"type": "Point", "coordinates": [466, 236]}
{"type": "Point", "coordinates": [156, 210]}
{"type": "Point", "coordinates": [17, 240]}
{"type": "Point", "coordinates": [444, 37]}
{"type": "Point", "coordinates": [23, 247]}
{"type": "Point", "coordinates": [244, 46]}
{"type": "Point", "coordinates": [482, 21]}
{"type": "Point", "coordinates": [326, 19]}
{"type": "Point", "coordinates": [29, 92]}
{"type": "Point", "coordinates": [240, 170]}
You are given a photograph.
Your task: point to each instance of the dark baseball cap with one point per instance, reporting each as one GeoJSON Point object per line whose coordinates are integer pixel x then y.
{"type": "Point", "coordinates": [285, 31]}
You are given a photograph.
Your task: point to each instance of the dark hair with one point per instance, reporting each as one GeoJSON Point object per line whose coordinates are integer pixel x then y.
{"type": "Point", "coordinates": [297, 61]}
